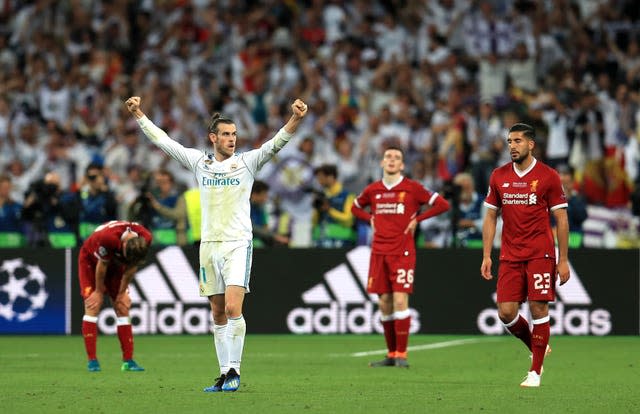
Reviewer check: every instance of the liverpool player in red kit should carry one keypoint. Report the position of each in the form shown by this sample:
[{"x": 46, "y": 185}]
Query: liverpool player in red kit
[
  {"x": 526, "y": 192},
  {"x": 394, "y": 211},
  {"x": 107, "y": 262}
]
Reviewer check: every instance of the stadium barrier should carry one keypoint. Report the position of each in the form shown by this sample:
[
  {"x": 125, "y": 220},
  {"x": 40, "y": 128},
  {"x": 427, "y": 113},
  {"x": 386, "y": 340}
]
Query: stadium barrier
[{"x": 307, "y": 291}]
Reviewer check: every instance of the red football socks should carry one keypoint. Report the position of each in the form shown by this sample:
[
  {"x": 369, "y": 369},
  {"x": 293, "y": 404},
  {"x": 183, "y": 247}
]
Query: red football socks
[
  {"x": 125, "y": 335},
  {"x": 390, "y": 337},
  {"x": 90, "y": 335},
  {"x": 521, "y": 330},
  {"x": 402, "y": 335},
  {"x": 539, "y": 342}
]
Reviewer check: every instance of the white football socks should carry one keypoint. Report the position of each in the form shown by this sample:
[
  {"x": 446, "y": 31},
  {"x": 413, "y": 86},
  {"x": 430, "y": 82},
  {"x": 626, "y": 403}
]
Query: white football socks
[
  {"x": 220, "y": 342},
  {"x": 236, "y": 331}
]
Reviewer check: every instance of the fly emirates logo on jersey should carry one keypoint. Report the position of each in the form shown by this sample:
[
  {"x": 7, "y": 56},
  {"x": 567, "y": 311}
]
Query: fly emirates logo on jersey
[
  {"x": 220, "y": 180},
  {"x": 572, "y": 313},
  {"x": 164, "y": 298},
  {"x": 340, "y": 303}
]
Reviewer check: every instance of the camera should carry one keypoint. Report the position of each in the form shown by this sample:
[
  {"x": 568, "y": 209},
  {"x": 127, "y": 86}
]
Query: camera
[{"x": 319, "y": 198}]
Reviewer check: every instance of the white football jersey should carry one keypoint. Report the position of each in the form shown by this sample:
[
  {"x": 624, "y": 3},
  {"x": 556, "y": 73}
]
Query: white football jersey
[{"x": 225, "y": 187}]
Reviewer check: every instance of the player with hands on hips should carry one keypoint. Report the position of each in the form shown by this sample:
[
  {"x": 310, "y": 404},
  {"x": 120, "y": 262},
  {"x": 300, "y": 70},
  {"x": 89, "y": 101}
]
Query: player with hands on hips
[{"x": 393, "y": 208}]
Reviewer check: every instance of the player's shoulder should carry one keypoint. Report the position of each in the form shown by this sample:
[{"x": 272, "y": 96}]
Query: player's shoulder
[
  {"x": 504, "y": 168},
  {"x": 411, "y": 182},
  {"x": 545, "y": 169}
]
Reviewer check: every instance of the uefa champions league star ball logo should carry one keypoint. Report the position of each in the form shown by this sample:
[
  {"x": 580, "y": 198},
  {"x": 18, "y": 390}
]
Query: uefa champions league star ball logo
[{"x": 22, "y": 290}]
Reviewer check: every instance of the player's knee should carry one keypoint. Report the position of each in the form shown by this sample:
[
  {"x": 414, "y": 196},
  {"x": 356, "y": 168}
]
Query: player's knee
[
  {"x": 121, "y": 309},
  {"x": 232, "y": 310},
  {"x": 507, "y": 315}
]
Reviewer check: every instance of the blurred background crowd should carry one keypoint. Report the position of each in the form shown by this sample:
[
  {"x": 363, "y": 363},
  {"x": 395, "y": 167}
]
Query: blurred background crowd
[{"x": 443, "y": 79}]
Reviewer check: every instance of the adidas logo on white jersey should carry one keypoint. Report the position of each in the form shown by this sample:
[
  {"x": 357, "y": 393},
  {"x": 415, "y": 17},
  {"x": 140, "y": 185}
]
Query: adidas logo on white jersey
[
  {"x": 340, "y": 303},
  {"x": 577, "y": 319},
  {"x": 159, "y": 295}
]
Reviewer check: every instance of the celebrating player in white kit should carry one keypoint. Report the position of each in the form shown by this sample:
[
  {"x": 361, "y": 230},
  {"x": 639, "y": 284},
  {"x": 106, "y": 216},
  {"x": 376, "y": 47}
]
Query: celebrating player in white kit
[{"x": 225, "y": 179}]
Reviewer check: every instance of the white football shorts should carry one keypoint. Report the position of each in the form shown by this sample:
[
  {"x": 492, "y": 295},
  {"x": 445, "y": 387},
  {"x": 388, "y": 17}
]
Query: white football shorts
[{"x": 222, "y": 264}]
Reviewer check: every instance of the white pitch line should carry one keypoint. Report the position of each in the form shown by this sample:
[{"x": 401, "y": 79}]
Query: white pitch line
[{"x": 435, "y": 345}]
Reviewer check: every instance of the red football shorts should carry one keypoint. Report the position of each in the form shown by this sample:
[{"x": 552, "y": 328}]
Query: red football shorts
[
  {"x": 87, "y": 277},
  {"x": 391, "y": 273},
  {"x": 531, "y": 280}
]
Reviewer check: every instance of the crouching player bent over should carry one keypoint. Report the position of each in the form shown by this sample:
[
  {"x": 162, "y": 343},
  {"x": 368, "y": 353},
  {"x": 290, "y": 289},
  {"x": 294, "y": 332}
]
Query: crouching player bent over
[{"x": 107, "y": 262}]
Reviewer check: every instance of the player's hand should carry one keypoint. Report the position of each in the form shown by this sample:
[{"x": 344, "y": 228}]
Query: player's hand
[
  {"x": 94, "y": 301},
  {"x": 485, "y": 268},
  {"x": 133, "y": 104},
  {"x": 122, "y": 304},
  {"x": 563, "y": 271},
  {"x": 299, "y": 108},
  {"x": 411, "y": 227}
]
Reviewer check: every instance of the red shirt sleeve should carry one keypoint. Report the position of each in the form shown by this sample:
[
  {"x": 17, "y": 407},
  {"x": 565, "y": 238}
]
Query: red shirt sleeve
[
  {"x": 106, "y": 246},
  {"x": 493, "y": 197},
  {"x": 556, "y": 197},
  {"x": 362, "y": 201}
]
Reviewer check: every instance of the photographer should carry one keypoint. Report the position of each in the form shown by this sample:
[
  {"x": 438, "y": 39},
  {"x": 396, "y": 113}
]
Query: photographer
[
  {"x": 333, "y": 222},
  {"x": 163, "y": 210},
  {"x": 97, "y": 203},
  {"x": 461, "y": 226},
  {"x": 50, "y": 215}
]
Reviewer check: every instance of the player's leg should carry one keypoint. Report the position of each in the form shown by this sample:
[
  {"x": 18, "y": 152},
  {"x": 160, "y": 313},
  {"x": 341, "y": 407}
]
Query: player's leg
[
  {"x": 219, "y": 340},
  {"x": 541, "y": 290},
  {"x": 236, "y": 331},
  {"x": 86, "y": 276},
  {"x": 122, "y": 306},
  {"x": 401, "y": 271},
  {"x": 212, "y": 286},
  {"x": 402, "y": 323},
  {"x": 379, "y": 284},
  {"x": 540, "y": 334},
  {"x": 511, "y": 290},
  {"x": 236, "y": 271}
]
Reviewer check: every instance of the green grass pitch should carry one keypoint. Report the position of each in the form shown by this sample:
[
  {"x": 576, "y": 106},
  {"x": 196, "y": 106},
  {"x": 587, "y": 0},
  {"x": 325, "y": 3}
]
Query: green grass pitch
[{"x": 321, "y": 374}]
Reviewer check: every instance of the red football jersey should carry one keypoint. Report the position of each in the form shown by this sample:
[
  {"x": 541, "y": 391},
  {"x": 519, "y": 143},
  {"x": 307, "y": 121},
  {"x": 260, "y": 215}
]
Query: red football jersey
[
  {"x": 105, "y": 242},
  {"x": 526, "y": 200},
  {"x": 392, "y": 209}
]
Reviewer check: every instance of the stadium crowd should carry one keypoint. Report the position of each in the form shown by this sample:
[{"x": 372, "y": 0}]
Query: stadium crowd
[{"x": 442, "y": 79}]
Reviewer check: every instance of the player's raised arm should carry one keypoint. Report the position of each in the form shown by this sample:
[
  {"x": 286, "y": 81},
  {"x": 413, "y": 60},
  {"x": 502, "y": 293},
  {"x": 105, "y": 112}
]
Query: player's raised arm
[
  {"x": 188, "y": 157},
  {"x": 299, "y": 109},
  {"x": 257, "y": 159}
]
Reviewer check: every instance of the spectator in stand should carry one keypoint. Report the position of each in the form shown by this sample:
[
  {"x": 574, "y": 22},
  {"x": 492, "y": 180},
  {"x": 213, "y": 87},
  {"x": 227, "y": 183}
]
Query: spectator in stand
[
  {"x": 50, "y": 214},
  {"x": 169, "y": 216},
  {"x": 97, "y": 202},
  {"x": 577, "y": 209},
  {"x": 263, "y": 235},
  {"x": 333, "y": 221},
  {"x": 11, "y": 229}
]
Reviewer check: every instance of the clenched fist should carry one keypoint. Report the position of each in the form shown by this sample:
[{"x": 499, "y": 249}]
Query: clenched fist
[{"x": 133, "y": 105}]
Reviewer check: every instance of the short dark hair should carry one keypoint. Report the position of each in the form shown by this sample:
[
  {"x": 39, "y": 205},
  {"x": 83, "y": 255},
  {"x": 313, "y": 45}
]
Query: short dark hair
[
  {"x": 136, "y": 250},
  {"x": 394, "y": 148},
  {"x": 327, "y": 169},
  {"x": 93, "y": 166},
  {"x": 218, "y": 119},
  {"x": 526, "y": 129},
  {"x": 259, "y": 187}
]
